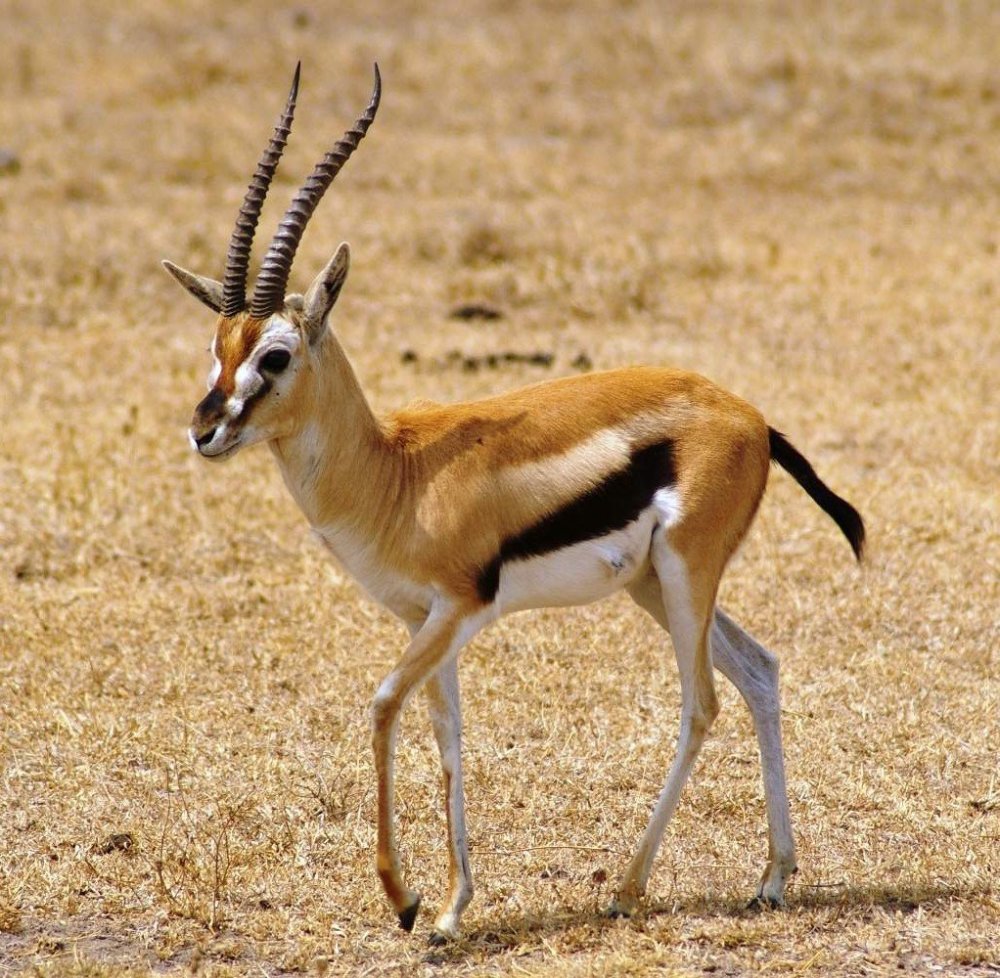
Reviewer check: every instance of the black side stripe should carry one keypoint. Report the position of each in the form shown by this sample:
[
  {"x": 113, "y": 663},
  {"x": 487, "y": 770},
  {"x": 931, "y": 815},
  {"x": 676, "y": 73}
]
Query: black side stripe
[{"x": 611, "y": 505}]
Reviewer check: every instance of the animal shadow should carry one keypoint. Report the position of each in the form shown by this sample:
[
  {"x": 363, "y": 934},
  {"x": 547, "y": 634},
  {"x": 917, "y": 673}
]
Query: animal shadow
[{"x": 510, "y": 931}]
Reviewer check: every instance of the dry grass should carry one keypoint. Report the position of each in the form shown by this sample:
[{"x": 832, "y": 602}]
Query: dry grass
[{"x": 801, "y": 200}]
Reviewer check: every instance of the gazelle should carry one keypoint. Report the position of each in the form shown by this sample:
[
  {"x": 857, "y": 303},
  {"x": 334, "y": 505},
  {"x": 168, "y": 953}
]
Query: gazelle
[{"x": 453, "y": 515}]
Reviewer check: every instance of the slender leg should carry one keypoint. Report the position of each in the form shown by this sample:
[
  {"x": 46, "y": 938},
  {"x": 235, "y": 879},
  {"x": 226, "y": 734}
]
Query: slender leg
[
  {"x": 753, "y": 670},
  {"x": 688, "y": 606},
  {"x": 438, "y": 640},
  {"x": 443, "y": 701}
]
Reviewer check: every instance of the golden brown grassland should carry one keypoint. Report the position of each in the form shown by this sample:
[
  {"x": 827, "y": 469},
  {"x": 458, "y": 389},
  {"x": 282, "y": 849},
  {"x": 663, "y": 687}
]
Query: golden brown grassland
[{"x": 798, "y": 199}]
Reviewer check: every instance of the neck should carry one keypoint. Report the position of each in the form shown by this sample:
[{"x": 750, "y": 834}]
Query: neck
[{"x": 337, "y": 452}]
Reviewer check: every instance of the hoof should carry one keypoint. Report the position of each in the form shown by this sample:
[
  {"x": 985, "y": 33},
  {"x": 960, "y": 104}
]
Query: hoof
[
  {"x": 761, "y": 902},
  {"x": 445, "y": 929},
  {"x": 408, "y": 916},
  {"x": 619, "y": 909}
]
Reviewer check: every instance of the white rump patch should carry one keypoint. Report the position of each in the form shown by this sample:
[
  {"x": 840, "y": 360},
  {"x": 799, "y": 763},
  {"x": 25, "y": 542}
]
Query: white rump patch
[{"x": 667, "y": 503}]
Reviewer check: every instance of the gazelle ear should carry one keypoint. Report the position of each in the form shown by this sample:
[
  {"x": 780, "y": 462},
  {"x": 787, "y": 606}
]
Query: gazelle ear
[
  {"x": 324, "y": 291},
  {"x": 205, "y": 290}
]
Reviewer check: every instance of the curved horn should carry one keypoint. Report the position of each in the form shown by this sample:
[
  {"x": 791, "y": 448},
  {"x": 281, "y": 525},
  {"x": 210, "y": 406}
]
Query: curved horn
[
  {"x": 238, "y": 258},
  {"x": 269, "y": 292}
]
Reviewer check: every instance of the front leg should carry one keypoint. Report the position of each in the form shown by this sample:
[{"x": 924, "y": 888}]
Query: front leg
[
  {"x": 436, "y": 642},
  {"x": 446, "y": 718}
]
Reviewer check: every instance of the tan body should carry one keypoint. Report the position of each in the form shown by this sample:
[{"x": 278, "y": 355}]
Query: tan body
[
  {"x": 640, "y": 479},
  {"x": 445, "y": 485}
]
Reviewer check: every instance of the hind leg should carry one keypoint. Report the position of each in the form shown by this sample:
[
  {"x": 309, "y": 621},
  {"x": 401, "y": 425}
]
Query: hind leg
[
  {"x": 753, "y": 670},
  {"x": 686, "y": 601},
  {"x": 443, "y": 702}
]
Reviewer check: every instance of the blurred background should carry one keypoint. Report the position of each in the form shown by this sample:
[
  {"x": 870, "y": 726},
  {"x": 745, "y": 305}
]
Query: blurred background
[{"x": 799, "y": 199}]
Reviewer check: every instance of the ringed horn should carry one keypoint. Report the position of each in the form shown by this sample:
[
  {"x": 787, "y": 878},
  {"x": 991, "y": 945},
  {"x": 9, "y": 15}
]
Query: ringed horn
[
  {"x": 269, "y": 292},
  {"x": 238, "y": 258}
]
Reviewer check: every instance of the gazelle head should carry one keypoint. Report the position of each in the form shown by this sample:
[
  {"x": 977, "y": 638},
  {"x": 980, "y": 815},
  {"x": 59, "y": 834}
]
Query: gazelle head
[{"x": 263, "y": 350}]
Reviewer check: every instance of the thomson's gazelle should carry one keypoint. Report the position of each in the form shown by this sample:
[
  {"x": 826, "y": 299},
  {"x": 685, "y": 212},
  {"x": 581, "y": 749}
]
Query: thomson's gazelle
[{"x": 453, "y": 515}]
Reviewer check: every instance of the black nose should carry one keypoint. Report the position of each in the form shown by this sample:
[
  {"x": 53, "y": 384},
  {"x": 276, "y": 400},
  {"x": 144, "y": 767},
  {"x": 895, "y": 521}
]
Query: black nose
[
  {"x": 212, "y": 403},
  {"x": 207, "y": 416}
]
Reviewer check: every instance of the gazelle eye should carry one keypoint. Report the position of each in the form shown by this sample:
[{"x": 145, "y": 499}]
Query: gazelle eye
[{"x": 275, "y": 361}]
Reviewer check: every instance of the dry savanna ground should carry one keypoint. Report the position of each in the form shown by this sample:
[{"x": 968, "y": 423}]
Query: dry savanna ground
[{"x": 798, "y": 199}]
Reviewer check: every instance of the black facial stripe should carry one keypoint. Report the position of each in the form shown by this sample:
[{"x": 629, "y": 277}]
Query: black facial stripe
[
  {"x": 261, "y": 392},
  {"x": 611, "y": 505}
]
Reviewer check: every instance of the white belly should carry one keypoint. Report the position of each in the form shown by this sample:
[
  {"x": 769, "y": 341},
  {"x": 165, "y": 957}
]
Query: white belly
[{"x": 578, "y": 574}]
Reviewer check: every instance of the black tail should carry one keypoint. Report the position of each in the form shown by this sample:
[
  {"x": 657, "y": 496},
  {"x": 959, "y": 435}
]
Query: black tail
[{"x": 840, "y": 510}]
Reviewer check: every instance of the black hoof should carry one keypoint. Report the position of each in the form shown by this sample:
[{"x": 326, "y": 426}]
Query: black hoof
[
  {"x": 437, "y": 939},
  {"x": 614, "y": 912},
  {"x": 763, "y": 903},
  {"x": 408, "y": 916}
]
